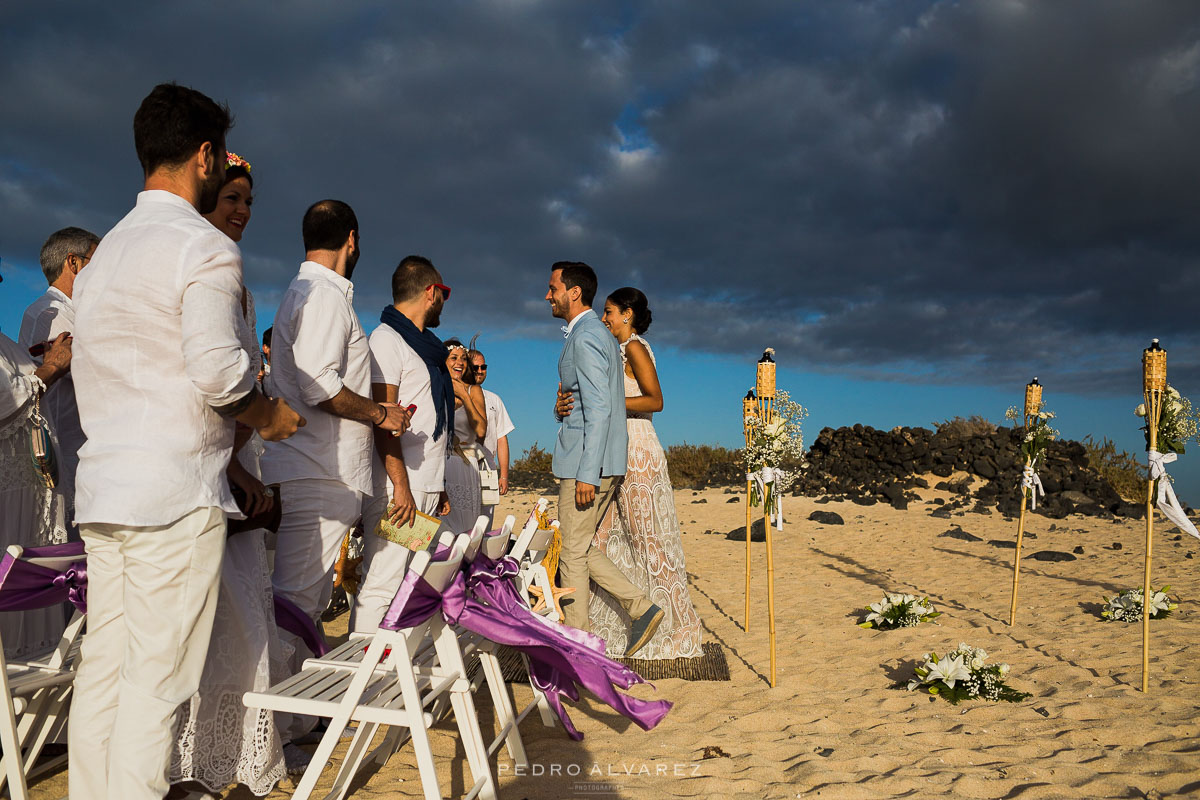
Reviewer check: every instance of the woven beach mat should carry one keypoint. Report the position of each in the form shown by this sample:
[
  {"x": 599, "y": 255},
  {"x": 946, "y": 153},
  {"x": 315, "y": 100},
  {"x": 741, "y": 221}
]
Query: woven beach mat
[{"x": 711, "y": 666}]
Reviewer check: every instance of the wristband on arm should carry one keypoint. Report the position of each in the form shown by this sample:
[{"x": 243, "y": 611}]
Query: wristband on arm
[{"x": 231, "y": 410}]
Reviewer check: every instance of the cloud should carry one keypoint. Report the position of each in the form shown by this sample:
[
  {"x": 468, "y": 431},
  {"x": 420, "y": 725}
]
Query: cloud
[{"x": 934, "y": 191}]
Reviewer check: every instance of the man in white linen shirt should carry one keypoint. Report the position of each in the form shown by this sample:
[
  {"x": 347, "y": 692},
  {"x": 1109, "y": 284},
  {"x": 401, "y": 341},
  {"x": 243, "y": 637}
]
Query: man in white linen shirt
[
  {"x": 160, "y": 376},
  {"x": 414, "y": 464},
  {"x": 320, "y": 363},
  {"x": 499, "y": 426},
  {"x": 65, "y": 253}
]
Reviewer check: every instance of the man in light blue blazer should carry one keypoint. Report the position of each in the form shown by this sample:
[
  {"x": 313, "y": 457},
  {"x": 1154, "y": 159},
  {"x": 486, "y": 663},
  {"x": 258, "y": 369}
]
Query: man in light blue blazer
[{"x": 589, "y": 454}]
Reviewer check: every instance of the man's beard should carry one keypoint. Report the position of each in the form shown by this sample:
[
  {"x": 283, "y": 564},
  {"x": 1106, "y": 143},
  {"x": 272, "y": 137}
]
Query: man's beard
[
  {"x": 210, "y": 192},
  {"x": 433, "y": 317},
  {"x": 351, "y": 262}
]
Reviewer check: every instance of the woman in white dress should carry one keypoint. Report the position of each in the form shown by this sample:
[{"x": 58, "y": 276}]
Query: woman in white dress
[
  {"x": 32, "y": 514},
  {"x": 640, "y": 533},
  {"x": 220, "y": 741},
  {"x": 470, "y": 426}
]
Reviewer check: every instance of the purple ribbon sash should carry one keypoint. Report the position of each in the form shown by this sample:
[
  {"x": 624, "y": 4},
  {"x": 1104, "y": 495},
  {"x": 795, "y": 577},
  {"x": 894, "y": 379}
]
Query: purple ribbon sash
[
  {"x": 25, "y": 586},
  {"x": 561, "y": 658},
  {"x": 289, "y": 617}
]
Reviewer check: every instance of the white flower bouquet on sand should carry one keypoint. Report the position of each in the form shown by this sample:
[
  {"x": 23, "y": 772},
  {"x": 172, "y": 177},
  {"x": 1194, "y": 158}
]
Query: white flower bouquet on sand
[
  {"x": 1127, "y": 606},
  {"x": 899, "y": 611},
  {"x": 962, "y": 674}
]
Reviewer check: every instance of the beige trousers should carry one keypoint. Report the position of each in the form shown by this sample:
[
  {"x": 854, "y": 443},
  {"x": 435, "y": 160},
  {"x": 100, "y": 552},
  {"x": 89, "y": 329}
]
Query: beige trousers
[
  {"x": 580, "y": 562},
  {"x": 152, "y": 593}
]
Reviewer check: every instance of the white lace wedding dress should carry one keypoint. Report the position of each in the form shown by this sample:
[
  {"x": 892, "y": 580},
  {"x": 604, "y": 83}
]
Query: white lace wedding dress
[
  {"x": 640, "y": 534},
  {"x": 30, "y": 514},
  {"x": 220, "y": 741},
  {"x": 462, "y": 477}
]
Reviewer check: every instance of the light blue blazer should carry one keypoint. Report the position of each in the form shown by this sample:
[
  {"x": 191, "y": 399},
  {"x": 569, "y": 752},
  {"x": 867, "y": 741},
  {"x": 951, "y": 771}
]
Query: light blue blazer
[{"x": 592, "y": 439}]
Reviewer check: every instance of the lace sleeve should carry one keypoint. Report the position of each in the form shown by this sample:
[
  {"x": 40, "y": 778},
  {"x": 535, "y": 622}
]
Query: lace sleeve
[{"x": 633, "y": 337}]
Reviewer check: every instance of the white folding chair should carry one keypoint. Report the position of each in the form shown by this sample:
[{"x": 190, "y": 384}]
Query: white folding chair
[
  {"x": 528, "y": 551},
  {"x": 389, "y": 687},
  {"x": 36, "y": 694}
]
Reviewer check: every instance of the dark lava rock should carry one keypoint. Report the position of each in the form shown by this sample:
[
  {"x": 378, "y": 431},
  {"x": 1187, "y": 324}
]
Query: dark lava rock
[
  {"x": 758, "y": 532},
  {"x": 1051, "y": 555},
  {"x": 1078, "y": 550},
  {"x": 941, "y": 513},
  {"x": 701, "y": 500},
  {"x": 734, "y": 500},
  {"x": 959, "y": 533},
  {"x": 864, "y": 501},
  {"x": 1116, "y": 546},
  {"x": 1003, "y": 543},
  {"x": 942, "y": 470},
  {"x": 825, "y": 518}
]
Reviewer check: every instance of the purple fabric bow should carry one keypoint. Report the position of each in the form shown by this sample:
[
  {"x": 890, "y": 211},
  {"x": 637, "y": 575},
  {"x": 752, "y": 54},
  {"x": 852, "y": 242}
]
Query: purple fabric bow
[
  {"x": 289, "y": 617},
  {"x": 561, "y": 659},
  {"x": 25, "y": 586}
]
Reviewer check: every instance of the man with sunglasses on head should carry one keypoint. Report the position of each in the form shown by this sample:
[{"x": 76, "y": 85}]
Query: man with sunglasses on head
[
  {"x": 320, "y": 363},
  {"x": 408, "y": 367}
]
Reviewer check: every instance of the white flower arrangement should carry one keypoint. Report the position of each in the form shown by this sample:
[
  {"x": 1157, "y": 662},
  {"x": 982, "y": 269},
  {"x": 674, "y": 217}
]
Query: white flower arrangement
[
  {"x": 962, "y": 674},
  {"x": 899, "y": 611},
  {"x": 1177, "y": 424},
  {"x": 1127, "y": 606},
  {"x": 773, "y": 443},
  {"x": 1038, "y": 434}
]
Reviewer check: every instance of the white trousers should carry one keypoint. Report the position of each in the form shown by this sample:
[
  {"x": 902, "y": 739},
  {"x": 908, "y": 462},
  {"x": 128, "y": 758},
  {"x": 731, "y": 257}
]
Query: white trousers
[
  {"x": 384, "y": 563},
  {"x": 316, "y": 516},
  {"x": 152, "y": 593}
]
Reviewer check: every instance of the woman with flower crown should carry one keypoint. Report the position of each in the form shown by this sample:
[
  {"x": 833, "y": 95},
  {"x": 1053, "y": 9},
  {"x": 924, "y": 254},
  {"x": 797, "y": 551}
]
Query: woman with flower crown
[
  {"x": 470, "y": 426},
  {"x": 640, "y": 532},
  {"x": 220, "y": 741}
]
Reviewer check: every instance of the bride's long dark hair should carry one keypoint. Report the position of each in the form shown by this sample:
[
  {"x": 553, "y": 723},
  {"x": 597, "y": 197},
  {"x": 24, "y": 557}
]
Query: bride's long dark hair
[{"x": 631, "y": 299}]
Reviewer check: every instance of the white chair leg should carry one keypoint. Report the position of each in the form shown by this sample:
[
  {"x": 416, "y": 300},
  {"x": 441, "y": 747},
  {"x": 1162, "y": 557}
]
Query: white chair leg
[
  {"x": 506, "y": 716},
  {"x": 359, "y": 747}
]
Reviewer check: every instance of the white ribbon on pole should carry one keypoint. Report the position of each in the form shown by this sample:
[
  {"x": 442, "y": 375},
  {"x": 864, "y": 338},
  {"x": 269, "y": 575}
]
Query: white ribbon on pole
[
  {"x": 762, "y": 479},
  {"x": 1031, "y": 481},
  {"x": 1168, "y": 503}
]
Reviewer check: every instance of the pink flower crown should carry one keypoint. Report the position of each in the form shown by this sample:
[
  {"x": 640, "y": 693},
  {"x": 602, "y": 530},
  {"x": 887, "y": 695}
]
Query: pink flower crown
[{"x": 232, "y": 159}]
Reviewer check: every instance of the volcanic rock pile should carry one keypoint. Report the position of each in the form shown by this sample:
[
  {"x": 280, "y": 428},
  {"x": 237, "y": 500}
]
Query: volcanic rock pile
[{"x": 869, "y": 466}]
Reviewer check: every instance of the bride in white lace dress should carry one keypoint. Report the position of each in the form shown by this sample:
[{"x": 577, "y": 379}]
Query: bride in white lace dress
[
  {"x": 220, "y": 741},
  {"x": 640, "y": 533}
]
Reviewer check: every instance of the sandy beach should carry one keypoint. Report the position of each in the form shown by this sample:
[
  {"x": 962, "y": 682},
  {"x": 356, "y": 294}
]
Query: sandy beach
[{"x": 836, "y": 725}]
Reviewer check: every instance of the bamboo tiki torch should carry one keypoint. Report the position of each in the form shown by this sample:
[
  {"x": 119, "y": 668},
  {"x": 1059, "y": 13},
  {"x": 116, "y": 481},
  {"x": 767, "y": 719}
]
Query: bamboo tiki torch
[
  {"x": 1033, "y": 404},
  {"x": 1154, "y": 386},
  {"x": 749, "y": 411},
  {"x": 766, "y": 401}
]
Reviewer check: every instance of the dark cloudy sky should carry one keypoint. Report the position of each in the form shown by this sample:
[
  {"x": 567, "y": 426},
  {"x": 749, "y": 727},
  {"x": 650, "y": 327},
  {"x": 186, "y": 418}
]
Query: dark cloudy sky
[{"x": 901, "y": 197}]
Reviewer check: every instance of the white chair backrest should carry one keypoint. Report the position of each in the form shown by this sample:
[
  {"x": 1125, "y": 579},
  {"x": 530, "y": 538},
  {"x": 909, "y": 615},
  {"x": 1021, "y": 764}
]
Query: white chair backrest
[
  {"x": 476, "y": 538},
  {"x": 529, "y": 531},
  {"x": 58, "y": 563},
  {"x": 495, "y": 546},
  {"x": 438, "y": 574}
]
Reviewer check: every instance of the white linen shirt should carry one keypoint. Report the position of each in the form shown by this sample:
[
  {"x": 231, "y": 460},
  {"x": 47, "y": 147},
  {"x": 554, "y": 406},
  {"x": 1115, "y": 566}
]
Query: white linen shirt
[
  {"x": 498, "y": 425},
  {"x": 394, "y": 362},
  {"x": 48, "y": 316},
  {"x": 317, "y": 348},
  {"x": 156, "y": 348}
]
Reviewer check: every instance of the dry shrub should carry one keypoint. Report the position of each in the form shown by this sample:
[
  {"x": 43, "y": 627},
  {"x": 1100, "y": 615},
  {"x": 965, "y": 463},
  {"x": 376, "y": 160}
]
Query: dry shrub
[
  {"x": 693, "y": 466},
  {"x": 965, "y": 428},
  {"x": 1124, "y": 472},
  {"x": 534, "y": 460}
]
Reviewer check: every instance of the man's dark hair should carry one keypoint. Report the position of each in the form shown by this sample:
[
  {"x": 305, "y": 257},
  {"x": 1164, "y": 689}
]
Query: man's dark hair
[
  {"x": 577, "y": 273},
  {"x": 327, "y": 225},
  {"x": 411, "y": 277},
  {"x": 267, "y": 335},
  {"x": 173, "y": 122}
]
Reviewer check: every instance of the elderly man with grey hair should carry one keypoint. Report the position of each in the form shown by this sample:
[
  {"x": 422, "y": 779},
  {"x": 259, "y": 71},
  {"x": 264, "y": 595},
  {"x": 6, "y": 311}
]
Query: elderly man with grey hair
[{"x": 64, "y": 254}]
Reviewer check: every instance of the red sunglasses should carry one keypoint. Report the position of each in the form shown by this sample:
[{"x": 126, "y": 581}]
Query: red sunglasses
[{"x": 445, "y": 290}]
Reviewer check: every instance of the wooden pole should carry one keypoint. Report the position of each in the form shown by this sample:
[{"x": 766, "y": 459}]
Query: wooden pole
[
  {"x": 1154, "y": 384},
  {"x": 749, "y": 409},
  {"x": 766, "y": 398},
  {"x": 1012, "y": 609},
  {"x": 1033, "y": 404}
]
